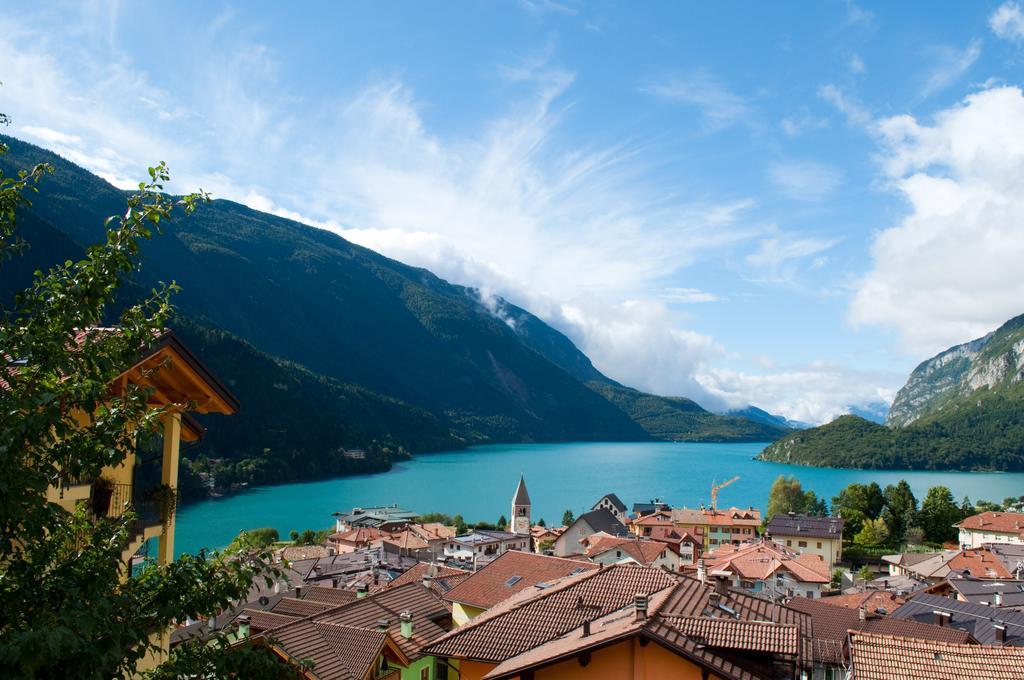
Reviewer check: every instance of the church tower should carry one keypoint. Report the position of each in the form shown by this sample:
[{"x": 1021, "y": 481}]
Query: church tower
[{"x": 520, "y": 523}]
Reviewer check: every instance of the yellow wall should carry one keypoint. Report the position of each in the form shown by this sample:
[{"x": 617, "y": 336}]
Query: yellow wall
[
  {"x": 831, "y": 550},
  {"x": 462, "y": 613},
  {"x": 622, "y": 661}
]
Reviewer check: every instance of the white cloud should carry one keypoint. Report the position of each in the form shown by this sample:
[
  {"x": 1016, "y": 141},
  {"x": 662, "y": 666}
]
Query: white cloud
[
  {"x": 854, "y": 111},
  {"x": 951, "y": 269},
  {"x": 805, "y": 120},
  {"x": 950, "y": 65},
  {"x": 1007, "y": 22},
  {"x": 720, "y": 106},
  {"x": 813, "y": 393},
  {"x": 778, "y": 258},
  {"x": 856, "y": 65},
  {"x": 805, "y": 180},
  {"x": 688, "y": 295},
  {"x": 857, "y": 15}
]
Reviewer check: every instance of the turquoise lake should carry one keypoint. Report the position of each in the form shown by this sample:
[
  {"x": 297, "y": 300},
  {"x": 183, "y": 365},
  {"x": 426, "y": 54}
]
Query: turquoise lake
[{"x": 479, "y": 483}]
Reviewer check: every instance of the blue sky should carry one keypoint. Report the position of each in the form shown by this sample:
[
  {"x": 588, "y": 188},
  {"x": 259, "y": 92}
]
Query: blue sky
[{"x": 785, "y": 204}]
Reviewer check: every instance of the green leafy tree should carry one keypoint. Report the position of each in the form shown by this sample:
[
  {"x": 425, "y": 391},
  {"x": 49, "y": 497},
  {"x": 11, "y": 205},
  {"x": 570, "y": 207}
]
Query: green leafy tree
[
  {"x": 542, "y": 523},
  {"x": 460, "y": 525},
  {"x": 939, "y": 512},
  {"x": 856, "y": 503},
  {"x": 900, "y": 513},
  {"x": 873, "y": 532},
  {"x": 866, "y": 573},
  {"x": 294, "y": 536},
  {"x": 814, "y": 506},
  {"x": 567, "y": 518},
  {"x": 67, "y": 607},
  {"x": 837, "y": 578},
  {"x": 786, "y": 495},
  {"x": 263, "y": 537},
  {"x": 502, "y": 522}
]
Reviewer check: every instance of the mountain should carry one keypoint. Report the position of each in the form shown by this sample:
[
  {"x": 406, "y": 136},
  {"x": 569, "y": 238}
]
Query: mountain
[
  {"x": 759, "y": 415},
  {"x": 378, "y": 348},
  {"x": 960, "y": 410}
]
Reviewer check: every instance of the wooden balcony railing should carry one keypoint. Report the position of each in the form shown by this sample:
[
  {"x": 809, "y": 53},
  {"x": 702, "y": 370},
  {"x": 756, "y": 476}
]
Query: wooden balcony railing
[{"x": 392, "y": 674}]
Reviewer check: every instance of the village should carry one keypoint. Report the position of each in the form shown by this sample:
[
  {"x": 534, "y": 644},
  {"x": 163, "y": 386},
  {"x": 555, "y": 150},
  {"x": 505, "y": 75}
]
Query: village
[{"x": 721, "y": 592}]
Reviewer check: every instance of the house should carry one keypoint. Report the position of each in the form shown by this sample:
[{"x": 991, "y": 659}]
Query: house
[
  {"x": 439, "y": 578},
  {"x": 375, "y": 636},
  {"x": 146, "y": 481},
  {"x": 612, "y": 504},
  {"x": 991, "y": 592},
  {"x": 872, "y": 601},
  {"x": 988, "y": 625},
  {"x": 934, "y": 567},
  {"x": 832, "y": 626},
  {"x": 1011, "y": 555},
  {"x": 588, "y": 524},
  {"x": 644, "y": 526},
  {"x": 354, "y": 539},
  {"x": 819, "y": 535},
  {"x": 435, "y": 534},
  {"x": 656, "y": 505},
  {"x": 768, "y": 567},
  {"x": 506, "y": 576},
  {"x": 383, "y": 517},
  {"x": 483, "y": 545},
  {"x": 991, "y": 527},
  {"x": 612, "y": 550},
  {"x": 885, "y": 657},
  {"x": 718, "y": 527},
  {"x": 628, "y": 622},
  {"x": 544, "y": 537}
]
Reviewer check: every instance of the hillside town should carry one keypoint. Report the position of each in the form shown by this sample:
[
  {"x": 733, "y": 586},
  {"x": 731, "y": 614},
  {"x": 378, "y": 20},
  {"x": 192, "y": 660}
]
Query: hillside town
[{"x": 720, "y": 592}]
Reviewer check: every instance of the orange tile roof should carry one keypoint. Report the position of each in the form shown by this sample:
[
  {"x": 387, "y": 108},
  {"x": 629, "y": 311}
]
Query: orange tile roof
[
  {"x": 294, "y": 607},
  {"x": 358, "y": 535},
  {"x": 732, "y": 517},
  {"x": 872, "y": 600},
  {"x": 642, "y": 552},
  {"x": 510, "y": 573},
  {"x": 761, "y": 559},
  {"x": 754, "y": 636},
  {"x": 338, "y": 652},
  {"x": 1003, "y": 522},
  {"x": 883, "y": 657},
  {"x": 332, "y": 596},
  {"x": 443, "y": 579},
  {"x": 981, "y": 563}
]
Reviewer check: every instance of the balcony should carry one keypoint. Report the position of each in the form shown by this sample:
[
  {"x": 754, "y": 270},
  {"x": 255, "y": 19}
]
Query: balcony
[{"x": 388, "y": 674}]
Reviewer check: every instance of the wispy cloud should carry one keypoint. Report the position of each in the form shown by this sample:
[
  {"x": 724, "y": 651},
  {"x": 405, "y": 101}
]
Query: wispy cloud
[
  {"x": 1007, "y": 22},
  {"x": 950, "y": 64},
  {"x": 720, "y": 106},
  {"x": 855, "y": 112},
  {"x": 687, "y": 295},
  {"x": 778, "y": 258},
  {"x": 857, "y": 65},
  {"x": 805, "y": 180}
]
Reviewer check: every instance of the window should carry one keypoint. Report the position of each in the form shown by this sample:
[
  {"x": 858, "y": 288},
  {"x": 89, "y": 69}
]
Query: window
[
  {"x": 819, "y": 545},
  {"x": 789, "y": 543},
  {"x": 424, "y": 674},
  {"x": 802, "y": 544}
]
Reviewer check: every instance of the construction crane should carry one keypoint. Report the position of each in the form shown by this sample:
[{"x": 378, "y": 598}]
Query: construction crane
[{"x": 715, "y": 488}]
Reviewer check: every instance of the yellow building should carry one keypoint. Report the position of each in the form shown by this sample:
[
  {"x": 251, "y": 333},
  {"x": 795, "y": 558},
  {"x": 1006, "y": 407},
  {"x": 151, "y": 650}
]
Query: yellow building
[
  {"x": 822, "y": 536},
  {"x": 146, "y": 481}
]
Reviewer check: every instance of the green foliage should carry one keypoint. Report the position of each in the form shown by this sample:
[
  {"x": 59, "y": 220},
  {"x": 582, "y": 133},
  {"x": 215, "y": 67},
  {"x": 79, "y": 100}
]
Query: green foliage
[
  {"x": 837, "y": 578},
  {"x": 857, "y": 503},
  {"x": 787, "y": 495},
  {"x": 260, "y": 538},
  {"x": 460, "y": 525},
  {"x": 541, "y": 522},
  {"x": 680, "y": 419},
  {"x": 309, "y": 536},
  {"x": 502, "y": 523},
  {"x": 66, "y": 608},
  {"x": 866, "y": 573},
  {"x": 900, "y": 513},
  {"x": 873, "y": 532},
  {"x": 546, "y": 544},
  {"x": 939, "y": 512},
  {"x": 436, "y": 517},
  {"x": 567, "y": 518},
  {"x": 814, "y": 506}
]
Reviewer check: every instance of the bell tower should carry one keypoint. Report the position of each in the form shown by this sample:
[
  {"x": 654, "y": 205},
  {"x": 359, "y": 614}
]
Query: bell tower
[{"x": 520, "y": 523}]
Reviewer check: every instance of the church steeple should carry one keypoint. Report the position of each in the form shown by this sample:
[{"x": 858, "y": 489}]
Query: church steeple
[{"x": 521, "y": 523}]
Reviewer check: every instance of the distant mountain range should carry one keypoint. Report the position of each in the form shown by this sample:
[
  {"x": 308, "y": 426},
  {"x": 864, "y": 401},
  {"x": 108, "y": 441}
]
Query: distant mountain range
[
  {"x": 963, "y": 409},
  {"x": 331, "y": 346}
]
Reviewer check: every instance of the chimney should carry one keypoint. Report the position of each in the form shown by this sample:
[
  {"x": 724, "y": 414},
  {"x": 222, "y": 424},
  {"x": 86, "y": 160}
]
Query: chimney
[
  {"x": 640, "y": 604},
  {"x": 702, "y": 572},
  {"x": 714, "y": 599},
  {"x": 382, "y": 624},
  {"x": 862, "y": 613},
  {"x": 361, "y": 590},
  {"x": 586, "y": 628},
  {"x": 998, "y": 602},
  {"x": 1000, "y": 630},
  {"x": 722, "y": 585},
  {"x": 298, "y": 592},
  {"x": 334, "y": 582},
  {"x": 942, "y": 618},
  {"x": 428, "y": 580},
  {"x": 243, "y": 626},
  {"x": 331, "y": 551},
  {"x": 405, "y": 618}
]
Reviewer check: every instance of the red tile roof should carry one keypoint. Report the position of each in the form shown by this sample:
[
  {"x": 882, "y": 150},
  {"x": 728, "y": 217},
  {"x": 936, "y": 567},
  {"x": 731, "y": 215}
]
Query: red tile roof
[
  {"x": 443, "y": 579},
  {"x": 872, "y": 600},
  {"x": 511, "y": 573},
  {"x": 882, "y": 657},
  {"x": 331, "y": 596},
  {"x": 754, "y": 636},
  {"x": 294, "y": 607},
  {"x": 1002, "y": 522},
  {"x": 338, "y": 652},
  {"x": 761, "y": 559},
  {"x": 642, "y": 552}
]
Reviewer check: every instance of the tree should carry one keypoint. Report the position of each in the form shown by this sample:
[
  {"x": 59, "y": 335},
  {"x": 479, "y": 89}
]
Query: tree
[
  {"x": 67, "y": 607},
  {"x": 307, "y": 537},
  {"x": 939, "y": 512},
  {"x": 915, "y": 536},
  {"x": 837, "y": 578},
  {"x": 866, "y": 573},
  {"x": 542, "y": 523},
  {"x": 873, "y": 532},
  {"x": 856, "y": 503},
  {"x": 567, "y": 518},
  {"x": 460, "y": 525},
  {"x": 502, "y": 523},
  {"x": 786, "y": 495},
  {"x": 814, "y": 506},
  {"x": 263, "y": 537},
  {"x": 546, "y": 545},
  {"x": 294, "y": 536},
  {"x": 900, "y": 513}
]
